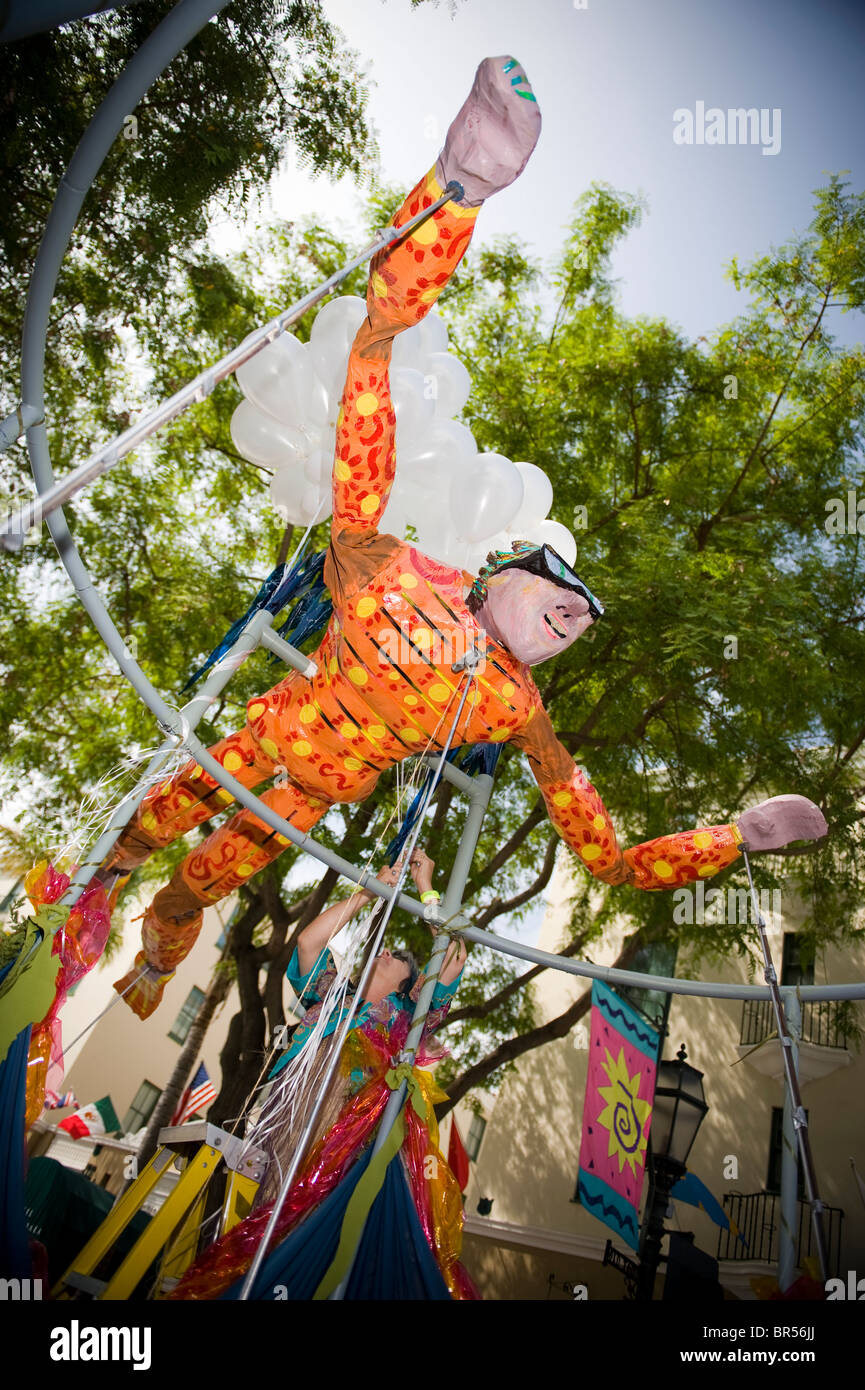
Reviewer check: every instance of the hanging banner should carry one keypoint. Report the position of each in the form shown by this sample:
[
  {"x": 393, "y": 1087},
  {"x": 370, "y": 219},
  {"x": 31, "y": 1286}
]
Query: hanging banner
[{"x": 620, "y": 1086}]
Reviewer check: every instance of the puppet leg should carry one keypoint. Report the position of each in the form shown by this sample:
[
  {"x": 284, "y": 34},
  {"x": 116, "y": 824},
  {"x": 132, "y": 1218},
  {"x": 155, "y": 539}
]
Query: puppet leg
[
  {"x": 486, "y": 148},
  {"x": 223, "y": 863},
  {"x": 187, "y": 800}
]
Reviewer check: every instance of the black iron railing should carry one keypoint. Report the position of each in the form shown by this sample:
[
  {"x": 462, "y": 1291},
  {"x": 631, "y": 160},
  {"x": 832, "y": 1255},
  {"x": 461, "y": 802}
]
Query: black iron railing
[
  {"x": 757, "y": 1216},
  {"x": 824, "y": 1022}
]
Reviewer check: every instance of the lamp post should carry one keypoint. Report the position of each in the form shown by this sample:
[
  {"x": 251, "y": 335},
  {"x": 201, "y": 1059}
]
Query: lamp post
[{"x": 677, "y": 1114}]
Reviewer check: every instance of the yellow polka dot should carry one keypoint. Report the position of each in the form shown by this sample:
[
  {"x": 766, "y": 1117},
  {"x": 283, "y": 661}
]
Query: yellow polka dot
[
  {"x": 269, "y": 747},
  {"x": 408, "y": 581},
  {"x": 412, "y": 735},
  {"x": 224, "y": 795},
  {"x": 531, "y": 714},
  {"x": 410, "y": 700},
  {"x": 307, "y": 714},
  {"x": 499, "y": 735},
  {"x": 599, "y": 823},
  {"x": 422, "y": 637},
  {"x": 301, "y": 748},
  {"x": 376, "y": 731},
  {"x": 184, "y": 801},
  {"x": 333, "y": 666},
  {"x": 254, "y": 711},
  {"x": 196, "y": 772},
  {"x": 431, "y": 295},
  {"x": 438, "y": 692},
  {"x": 591, "y": 852},
  {"x": 165, "y": 788},
  {"x": 562, "y": 799},
  {"x": 342, "y": 471},
  {"x": 662, "y": 868},
  {"x": 358, "y": 675},
  {"x": 349, "y": 730},
  {"x": 339, "y": 418},
  {"x": 365, "y": 607},
  {"x": 508, "y": 690},
  {"x": 244, "y": 870},
  {"x": 426, "y": 232},
  {"x": 379, "y": 288},
  {"x": 353, "y": 764},
  {"x": 370, "y": 504},
  {"x": 474, "y": 698},
  {"x": 393, "y": 675},
  {"x": 366, "y": 403},
  {"x": 703, "y": 840},
  {"x": 281, "y": 840},
  {"x": 708, "y": 870},
  {"x": 148, "y": 820},
  {"x": 232, "y": 761}
]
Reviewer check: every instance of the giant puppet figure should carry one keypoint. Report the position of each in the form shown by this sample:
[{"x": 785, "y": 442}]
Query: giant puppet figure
[{"x": 365, "y": 710}]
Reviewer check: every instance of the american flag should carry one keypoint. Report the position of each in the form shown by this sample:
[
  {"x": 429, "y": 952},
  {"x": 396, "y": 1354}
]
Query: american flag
[
  {"x": 197, "y": 1096},
  {"x": 53, "y": 1101}
]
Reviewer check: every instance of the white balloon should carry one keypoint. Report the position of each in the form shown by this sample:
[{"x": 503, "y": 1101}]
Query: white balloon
[
  {"x": 263, "y": 439},
  {"x": 407, "y": 351},
  {"x": 286, "y": 492},
  {"x": 278, "y": 379},
  {"x": 330, "y": 340},
  {"x": 447, "y": 445},
  {"x": 413, "y": 346},
  {"x": 559, "y": 537},
  {"x": 451, "y": 384},
  {"x": 413, "y": 405},
  {"x": 538, "y": 497},
  {"x": 486, "y": 499}
]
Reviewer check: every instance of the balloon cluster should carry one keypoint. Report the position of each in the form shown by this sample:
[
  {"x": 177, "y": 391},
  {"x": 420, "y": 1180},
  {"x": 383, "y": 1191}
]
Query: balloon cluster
[{"x": 453, "y": 501}]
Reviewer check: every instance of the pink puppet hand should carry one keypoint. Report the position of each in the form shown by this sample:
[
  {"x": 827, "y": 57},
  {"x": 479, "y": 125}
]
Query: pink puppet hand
[
  {"x": 490, "y": 140},
  {"x": 780, "y": 820}
]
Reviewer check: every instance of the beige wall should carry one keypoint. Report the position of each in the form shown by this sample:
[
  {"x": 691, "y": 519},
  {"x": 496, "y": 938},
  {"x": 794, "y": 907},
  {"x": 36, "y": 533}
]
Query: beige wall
[
  {"x": 529, "y": 1155},
  {"x": 122, "y": 1050}
]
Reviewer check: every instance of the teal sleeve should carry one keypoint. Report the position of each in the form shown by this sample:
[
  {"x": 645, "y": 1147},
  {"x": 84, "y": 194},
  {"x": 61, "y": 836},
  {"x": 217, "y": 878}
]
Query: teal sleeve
[
  {"x": 443, "y": 994},
  {"x": 304, "y": 985}
]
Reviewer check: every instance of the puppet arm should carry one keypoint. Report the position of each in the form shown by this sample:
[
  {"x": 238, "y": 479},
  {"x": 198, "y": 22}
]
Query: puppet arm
[{"x": 580, "y": 817}]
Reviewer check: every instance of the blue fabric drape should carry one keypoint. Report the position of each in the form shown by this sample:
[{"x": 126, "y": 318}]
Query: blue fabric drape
[
  {"x": 394, "y": 1261},
  {"x": 14, "y": 1247}
]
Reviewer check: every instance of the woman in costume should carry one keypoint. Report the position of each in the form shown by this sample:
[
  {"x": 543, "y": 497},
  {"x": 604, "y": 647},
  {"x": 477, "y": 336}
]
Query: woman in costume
[
  {"x": 413, "y": 1232},
  {"x": 363, "y": 711}
]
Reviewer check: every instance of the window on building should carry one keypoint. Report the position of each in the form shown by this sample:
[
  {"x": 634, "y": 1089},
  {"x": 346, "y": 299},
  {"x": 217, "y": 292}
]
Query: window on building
[
  {"x": 773, "y": 1177},
  {"x": 657, "y": 958},
  {"x": 474, "y": 1137},
  {"x": 141, "y": 1108},
  {"x": 179, "y": 1030},
  {"x": 794, "y": 969}
]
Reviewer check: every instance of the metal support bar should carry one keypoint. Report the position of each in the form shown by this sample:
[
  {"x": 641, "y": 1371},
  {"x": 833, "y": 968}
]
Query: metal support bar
[
  {"x": 14, "y": 426},
  {"x": 799, "y": 1119},
  {"x": 789, "y": 1155}
]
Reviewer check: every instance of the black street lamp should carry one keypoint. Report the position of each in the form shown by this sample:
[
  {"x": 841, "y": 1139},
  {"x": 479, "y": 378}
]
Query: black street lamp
[{"x": 677, "y": 1114}]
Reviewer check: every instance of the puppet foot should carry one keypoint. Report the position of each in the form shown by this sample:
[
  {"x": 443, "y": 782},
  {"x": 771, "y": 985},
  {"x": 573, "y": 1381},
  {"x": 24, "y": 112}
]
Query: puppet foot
[
  {"x": 490, "y": 140},
  {"x": 782, "y": 819},
  {"x": 141, "y": 987}
]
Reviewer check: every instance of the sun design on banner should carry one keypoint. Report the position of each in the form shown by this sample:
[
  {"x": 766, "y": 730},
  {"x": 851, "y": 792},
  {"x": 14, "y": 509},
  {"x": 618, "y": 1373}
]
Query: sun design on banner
[{"x": 625, "y": 1114}]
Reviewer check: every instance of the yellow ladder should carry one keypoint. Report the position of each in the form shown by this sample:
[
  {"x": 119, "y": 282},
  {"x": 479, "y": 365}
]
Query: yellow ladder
[{"x": 173, "y": 1229}]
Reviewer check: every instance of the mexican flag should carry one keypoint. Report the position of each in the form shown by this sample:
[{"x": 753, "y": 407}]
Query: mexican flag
[{"x": 97, "y": 1118}]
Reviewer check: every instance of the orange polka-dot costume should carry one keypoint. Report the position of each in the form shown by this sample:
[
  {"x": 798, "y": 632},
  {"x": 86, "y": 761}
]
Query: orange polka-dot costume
[{"x": 385, "y": 686}]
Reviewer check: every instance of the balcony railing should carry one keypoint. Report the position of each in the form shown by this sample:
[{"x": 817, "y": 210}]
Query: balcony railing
[
  {"x": 758, "y": 1218},
  {"x": 823, "y": 1022}
]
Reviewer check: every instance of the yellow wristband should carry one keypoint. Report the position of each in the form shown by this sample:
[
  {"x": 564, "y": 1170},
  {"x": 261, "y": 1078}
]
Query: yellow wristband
[{"x": 430, "y": 896}]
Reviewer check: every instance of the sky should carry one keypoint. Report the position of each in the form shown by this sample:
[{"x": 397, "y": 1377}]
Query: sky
[{"x": 609, "y": 74}]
